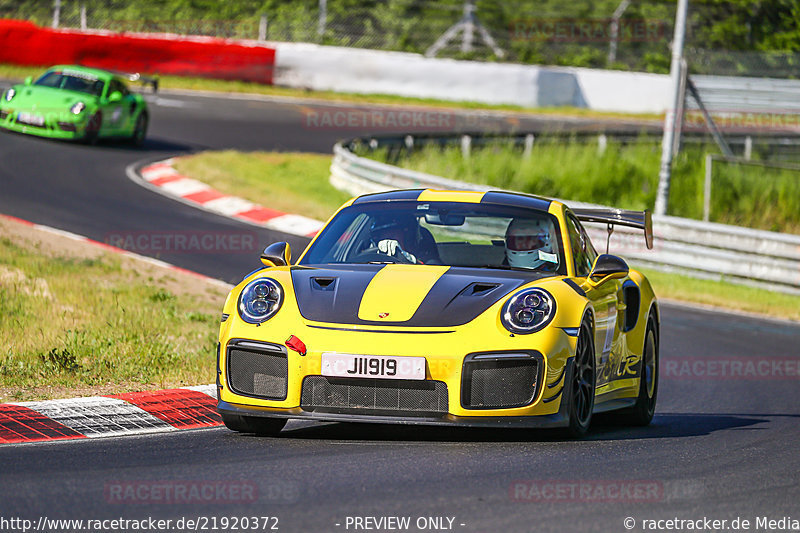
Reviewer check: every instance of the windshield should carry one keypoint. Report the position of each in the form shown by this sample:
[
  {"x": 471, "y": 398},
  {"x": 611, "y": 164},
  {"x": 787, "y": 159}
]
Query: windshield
[
  {"x": 441, "y": 233},
  {"x": 71, "y": 81}
]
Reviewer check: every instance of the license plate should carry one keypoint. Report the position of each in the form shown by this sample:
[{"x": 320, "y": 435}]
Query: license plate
[
  {"x": 347, "y": 365},
  {"x": 28, "y": 118}
]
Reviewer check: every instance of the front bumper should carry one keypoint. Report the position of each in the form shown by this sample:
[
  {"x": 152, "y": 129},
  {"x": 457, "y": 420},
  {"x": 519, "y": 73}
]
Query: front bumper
[
  {"x": 55, "y": 125},
  {"x": 556, "y": 420},
  {"x": 264, "y": 391}
]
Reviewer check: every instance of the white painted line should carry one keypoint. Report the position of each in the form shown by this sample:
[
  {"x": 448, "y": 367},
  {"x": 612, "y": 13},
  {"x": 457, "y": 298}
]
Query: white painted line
[
  {"x": 229, "y": 205},
  {"x": 184, "y": 187},
  {"x": 297, "y": 224},
  {"x": 98, "y": 416},
  {"x": 210, "y": 390},
  {"x": 150, "y": 173},
  {"x": 61, "y": 232},
  {"x": 169, "y": 102}
]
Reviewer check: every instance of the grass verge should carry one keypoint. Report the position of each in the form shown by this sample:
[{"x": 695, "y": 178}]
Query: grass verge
[
  {"x": 78, "y": 320},
  {"x": 268, "y": 178},
  {"x": 294, "y": 183},
  {"x": 15, "y": 72}
]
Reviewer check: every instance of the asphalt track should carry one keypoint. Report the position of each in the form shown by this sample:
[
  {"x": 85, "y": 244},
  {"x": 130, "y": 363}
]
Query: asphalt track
[{"x": 723, "y": 444}]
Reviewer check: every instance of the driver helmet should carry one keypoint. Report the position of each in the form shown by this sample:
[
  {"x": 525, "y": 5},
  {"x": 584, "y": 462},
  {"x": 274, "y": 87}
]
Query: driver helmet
[{"x": 527, "y": 239}]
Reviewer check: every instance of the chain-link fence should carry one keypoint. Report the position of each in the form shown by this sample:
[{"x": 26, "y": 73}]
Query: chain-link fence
[{"x": 722, "y": 37}]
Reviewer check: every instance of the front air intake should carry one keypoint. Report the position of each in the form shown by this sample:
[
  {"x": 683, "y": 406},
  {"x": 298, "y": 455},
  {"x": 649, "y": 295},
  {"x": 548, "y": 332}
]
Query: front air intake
[
  {"x": 374, "y": 396},
  {"x": 257, "y": 369},
  {"x": 500, "y": 380}
]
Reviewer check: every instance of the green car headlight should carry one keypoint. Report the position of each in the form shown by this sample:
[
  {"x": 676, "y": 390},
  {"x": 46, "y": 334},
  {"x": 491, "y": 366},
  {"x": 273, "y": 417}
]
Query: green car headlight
[
  {"x": 260, "y": 300},
  {"x": 10, "y": 94},
  {"x": 528, "y": 311},
  {"x": 77, "y": 108}
]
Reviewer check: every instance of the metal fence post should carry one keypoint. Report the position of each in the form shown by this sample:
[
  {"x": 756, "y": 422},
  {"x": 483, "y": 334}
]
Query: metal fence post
[
  {"x": 662, "y": 197},
  {"x": 707, "y": 188},
  {"x": 323, "y": 18},
  {"x": 602, "y": 144},
  {"x": 83, "y": 16},
  {"x": 466, "y": 146},
  {"x": 262, "y": 28},
  {"x": 528, "y": 150},
  {"x": 56, "y": 13},
  {"x": 614, "y": 39}
]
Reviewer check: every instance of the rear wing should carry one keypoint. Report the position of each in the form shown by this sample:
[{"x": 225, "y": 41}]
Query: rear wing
[
  {"x": 152, "y": 81},
  {"x": 634, "y": 219}
]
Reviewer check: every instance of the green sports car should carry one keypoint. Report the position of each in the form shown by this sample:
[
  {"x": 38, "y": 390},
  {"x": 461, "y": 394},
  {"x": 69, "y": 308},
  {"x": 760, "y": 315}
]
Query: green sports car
[{"x": 80, "y": 103}]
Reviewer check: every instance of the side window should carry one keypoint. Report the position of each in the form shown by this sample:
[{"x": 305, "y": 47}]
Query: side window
[
  {"x": 582, "y": 249},
  {"x": 117, "y": 86},
  {"x": 591, "y": 253}
]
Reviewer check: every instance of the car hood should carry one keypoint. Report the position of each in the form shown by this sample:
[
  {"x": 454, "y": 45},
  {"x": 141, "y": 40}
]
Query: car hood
[
  {"x": 33, "y": 97},
  {"x": 402, "y": 295}
]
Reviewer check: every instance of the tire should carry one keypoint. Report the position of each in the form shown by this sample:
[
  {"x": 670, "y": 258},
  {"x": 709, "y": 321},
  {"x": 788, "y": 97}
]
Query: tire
[
  {"x": 92, "y": 132},
  {"x": 266, "y": 427},
  {"x": 582, "y": 386},
  {"x": 140, "y": 130},
  {"x": 641, "y": 414}
]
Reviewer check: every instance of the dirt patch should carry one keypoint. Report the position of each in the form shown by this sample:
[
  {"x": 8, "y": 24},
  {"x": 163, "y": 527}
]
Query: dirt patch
[{"x": 50, "y": 244}]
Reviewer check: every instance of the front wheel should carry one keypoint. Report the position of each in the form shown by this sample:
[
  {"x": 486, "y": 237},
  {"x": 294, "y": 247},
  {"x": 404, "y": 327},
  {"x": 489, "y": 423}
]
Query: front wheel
[
  {"x": 582, "y": 386},
  {"x": 140, "y": 130},
  {"x": 266, "y": 427},
  {"x": 92, "y": 132}
]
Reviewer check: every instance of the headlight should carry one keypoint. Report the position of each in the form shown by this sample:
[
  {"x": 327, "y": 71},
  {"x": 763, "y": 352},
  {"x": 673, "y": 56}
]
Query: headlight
[
  {"x": 260, "y": 299},
  {"x": 77, "y": 108},
  {"x": 528, "y": 311},
  {"x": 10, "y": 94}
]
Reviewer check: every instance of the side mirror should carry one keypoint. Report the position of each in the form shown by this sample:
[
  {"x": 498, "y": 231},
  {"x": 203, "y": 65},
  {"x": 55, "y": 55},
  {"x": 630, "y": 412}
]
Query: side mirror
[
  {"x": 607, "y": 267},
  {"x": 277, "y": 254},
  {"x": 28, "y": 80},
  {"x": 116, "y": 96}
]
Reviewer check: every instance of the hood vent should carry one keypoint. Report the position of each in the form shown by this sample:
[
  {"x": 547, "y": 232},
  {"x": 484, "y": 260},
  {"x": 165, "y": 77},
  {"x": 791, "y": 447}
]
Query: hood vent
[
  {"x": 323, "y": 284},
  {"x": 479, "y": 289}
]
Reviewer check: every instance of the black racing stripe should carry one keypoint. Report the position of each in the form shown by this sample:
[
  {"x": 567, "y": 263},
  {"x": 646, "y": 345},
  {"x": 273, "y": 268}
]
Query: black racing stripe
[
  {"x": 333, "y": 294},
  {"x": 390, "y": 196},
  {"x": 517, "y": 200},
  {"x": 461, "y": 294}
]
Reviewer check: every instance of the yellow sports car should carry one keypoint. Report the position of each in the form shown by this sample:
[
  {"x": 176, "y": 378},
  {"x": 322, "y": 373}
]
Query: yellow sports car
[{"x": 447, "y": 308}]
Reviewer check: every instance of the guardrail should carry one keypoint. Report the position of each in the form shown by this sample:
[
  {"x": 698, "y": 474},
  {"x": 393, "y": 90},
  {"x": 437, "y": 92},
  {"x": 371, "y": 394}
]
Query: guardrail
[{"x": 702, "y": 249}]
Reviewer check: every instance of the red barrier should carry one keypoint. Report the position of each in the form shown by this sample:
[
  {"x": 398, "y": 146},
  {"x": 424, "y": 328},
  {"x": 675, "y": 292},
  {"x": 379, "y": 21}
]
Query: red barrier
[{"x": 23, "y": 43}]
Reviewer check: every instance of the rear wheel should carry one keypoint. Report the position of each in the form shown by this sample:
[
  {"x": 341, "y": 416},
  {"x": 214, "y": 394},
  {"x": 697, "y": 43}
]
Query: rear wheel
[
  {"x": 582, "y": 387},
  {"x": 641, "y": 414},
  {"x": 267, "y": 427},
  {"x": 140, "y": 130}
]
